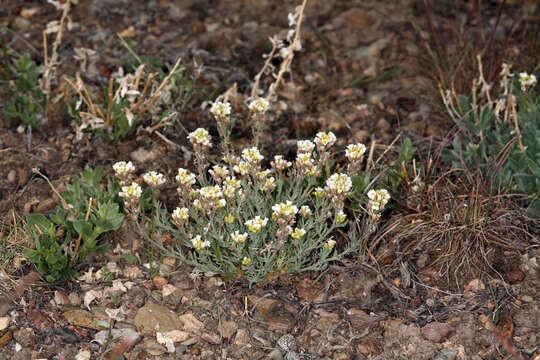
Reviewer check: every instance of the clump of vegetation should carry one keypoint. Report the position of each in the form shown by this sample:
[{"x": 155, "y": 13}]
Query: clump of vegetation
[
  {"x": 26, "y": 103},
  {"x": 87, "y": 211},
  {"x": 239, "y": 220},
  {"x": 499, "y": 134}
]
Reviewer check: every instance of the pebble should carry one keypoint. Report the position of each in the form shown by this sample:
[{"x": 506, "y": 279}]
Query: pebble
[
  {"x": 25, "y": 337},
  {"x": 384, "y": 125},
  {"x": 12, "y": 176}
]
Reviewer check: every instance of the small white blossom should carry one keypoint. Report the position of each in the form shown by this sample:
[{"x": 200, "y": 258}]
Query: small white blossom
[
  {"x": 200, "y": 138},
  {"x": 242, "y": 168},
  {"x": 324, "y": 140},
  {"x": 123, "y": 169},
  {"x": 378, "y": 199},
  {"x": 255, "y": 225},
  {"x": 298, "y": 233},
  {"x": 260, "y": 105},
  {"x": 305, "y": 146},
  {"x": 305, "y": 211},
  {"x": 221, "y": 109},
  {"x": 355, "y": 152},
  {"x": 131, "y": 193},
  {"x": 239, "y": 238},
  {"x": 185, "y": 178},
  {"x": 219, "y": 172},
  {"x": 154, "y": 179},
  {"x": 269, "y": 184},
  {"x": 199, "y": 244},
  {"x": 329, "y": 244},
  {"x": 338, "y": 184},
  {"x": 526, "y": 80},
  {"x": 280, "y": 163},
  {"x": 252, "y": 156},
  {"x": 180, "y": 215}
]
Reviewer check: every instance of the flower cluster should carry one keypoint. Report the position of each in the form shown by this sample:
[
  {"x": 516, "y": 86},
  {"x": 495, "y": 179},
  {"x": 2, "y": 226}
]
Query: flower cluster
[
  {"x": 211, "y": 197},
  {"x": 355, "y": 152},
  {"x": 280, "y": 163},
  {"x": 180, "y": 216},
  {"x": 232, "y": 188},
  {"x": 305, "y": 146},
  {"x": 338, "y": 185},
  {"x": 378, "y": 199},
  {"x": 260, "y": 105},
  {"x": 252, "y": 156},
  {"x": 199, "y": 244},
  {"x": 219, "y": 173},
  {"x": 269, "y": 184},
  {"x": 154, "y": 179},
  {"x": 255, "y": 225},
  {"x": 239, "y": 238},
  {"x": 123, "y": 170},
  {"x": 324, "y": 141},
  {"x": 200, "y": 139},
  {"x": 221, "y": 110},
  {"x": 298, "y": 233},
  {"x": 131, "y": 194},
  {"x": 305, "y": 211},
  {"x": 284, "y": 212},
  {"x": 526, "y": 80}
]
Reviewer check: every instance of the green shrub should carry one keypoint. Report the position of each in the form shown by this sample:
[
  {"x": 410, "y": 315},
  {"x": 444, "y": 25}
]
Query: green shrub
[
  {"x": 26, "y": 102},
  {"x": 500, "y": 135},
  {"x": 50, "y": 253}
]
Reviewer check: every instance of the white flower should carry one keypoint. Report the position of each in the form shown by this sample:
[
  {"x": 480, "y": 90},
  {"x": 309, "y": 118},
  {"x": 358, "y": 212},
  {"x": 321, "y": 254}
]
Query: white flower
[
  {"x": 131, "y": 193},
  {"x": 286, "y": 210},
  {"x": 338, "y": 184},
  {"x": 219, "y": 172},
  {"x": 305, "y": 211},
  {"x": 260, "y": 105},
  {"x": 180, "y": 215},
  {"x": 378, "y": 199},
  {"x": 154, "y": 179},
  {"x": 304, "y": 161},
  {"x": 269, "y": 184},
  {"x": 298, "y": 233},
  {"x": 252, "y": 156},
  {"x": 185, "y": 178},
  {"x": 324, "y": 140},
  {"x": 305, "y": 146},
  {"x": 242, "y": 168},
  {"x": 355, "y": 152},
  {"x": 319, "y": 192},
  {"x": 329, "y": 244},
  {"x": 340, "y": 216},
  {"x": 255, "y": 225},
  {"x": 239, "y": 238},
  {"x": 526, "y": 80},
  {"x": 200, "y": 138},
  {"x": 211, "y": 193},
  {"x": 122, "y": 169},
  {"x": 221, "y": 109},
  {"x": 279, "y": 163},
  {"x": 199, "y": 244}
]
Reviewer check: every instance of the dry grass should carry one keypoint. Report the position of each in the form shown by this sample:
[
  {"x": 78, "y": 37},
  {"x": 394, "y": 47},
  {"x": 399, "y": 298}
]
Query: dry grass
[{"x": 463, "y": 226}]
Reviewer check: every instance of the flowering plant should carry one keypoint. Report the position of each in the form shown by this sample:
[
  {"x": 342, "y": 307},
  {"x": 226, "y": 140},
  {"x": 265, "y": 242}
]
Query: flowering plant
[{"x": 241, "y": 220}]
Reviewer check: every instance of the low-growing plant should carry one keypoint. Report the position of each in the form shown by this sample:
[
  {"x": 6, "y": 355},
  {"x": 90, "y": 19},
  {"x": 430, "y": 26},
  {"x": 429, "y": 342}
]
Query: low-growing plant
[
  {"x": 500, "y": 134},
  {"x": 241, "y": 221},
  {"x": 26, "y": 102},
  {"x": 86, "y": 212},
  {"x": 128, "y": 101}
]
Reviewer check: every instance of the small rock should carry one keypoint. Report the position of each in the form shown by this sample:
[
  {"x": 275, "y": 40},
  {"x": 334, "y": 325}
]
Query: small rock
[
  {"x": 515, "y": 276},
  {"x": 74, "y": 298},
  {"x": 21, "y": 23},
  {"x": 384, "y": 125},
  {"x": 45, "y": 205},
  {"x": 242, "y": 338},
  {"x": 211, "y": 337},
  {"x": 362, "y": 136},
  {"x": 527, "y": 298},
  {"x": 25, "y": 337},
  {"x": 436, "y": 331},
  {"x": 141, "y": 155},
  {"x": 12, "y": 176},
  {"x": 190, "y": 322},
  {"x": 79, "y": 317},
  {"x": 275, "y": 355},
  {"x": 159, "y": 282},
  {"x": 264, "y": 305},
  {"x": 228, "y": 329},
  {"x": 287, "y": 343},
  {"x": 154, "y": 317},
  {"x": 447, "y": 354},
  {"x": 4, "y": 322}
]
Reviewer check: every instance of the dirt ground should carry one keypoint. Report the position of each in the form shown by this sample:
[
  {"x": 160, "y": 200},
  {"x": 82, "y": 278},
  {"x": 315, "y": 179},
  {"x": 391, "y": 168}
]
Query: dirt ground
[{"x": 354, "y": 53}]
